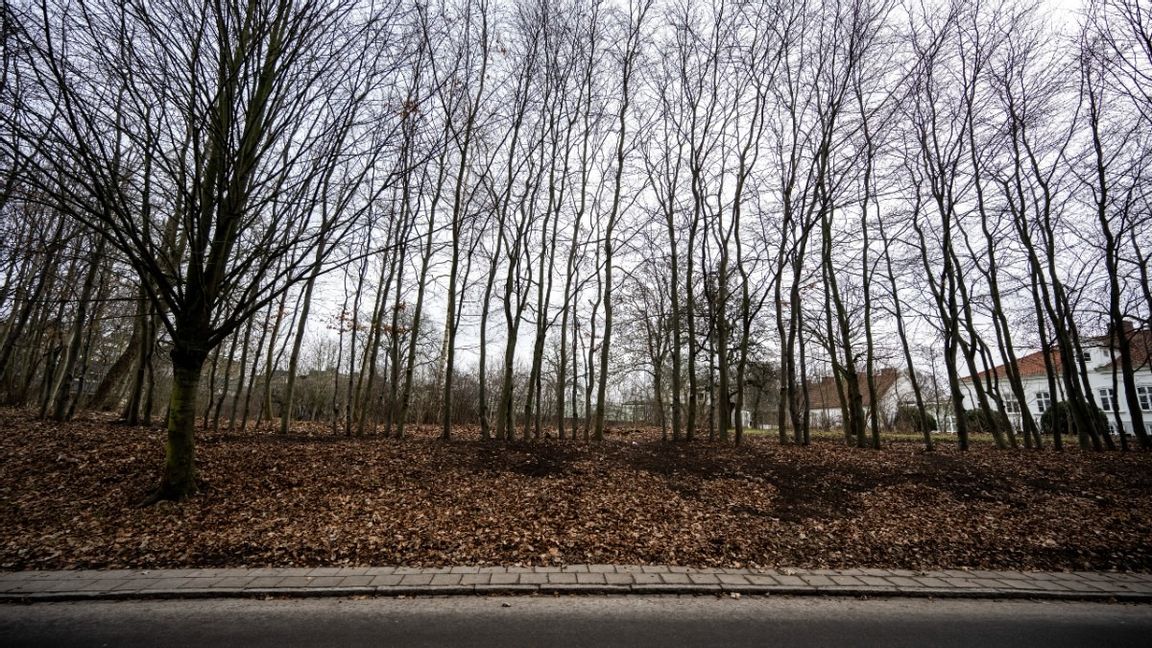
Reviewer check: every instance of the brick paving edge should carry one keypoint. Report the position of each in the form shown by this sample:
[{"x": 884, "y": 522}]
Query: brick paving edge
[{"x": 395, "y": 591}]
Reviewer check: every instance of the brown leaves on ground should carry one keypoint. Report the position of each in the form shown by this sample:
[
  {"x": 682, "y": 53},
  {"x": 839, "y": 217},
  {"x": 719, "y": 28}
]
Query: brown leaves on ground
[{"x": 67, "y": 493}]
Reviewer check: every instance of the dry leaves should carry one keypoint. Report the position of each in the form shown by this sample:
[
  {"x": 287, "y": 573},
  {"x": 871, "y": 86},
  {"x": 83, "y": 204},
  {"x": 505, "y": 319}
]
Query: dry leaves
[{"x": 67, "y": 493}]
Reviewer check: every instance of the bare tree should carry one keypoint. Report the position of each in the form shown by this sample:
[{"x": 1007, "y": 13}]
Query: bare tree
[
  {"x": 630, "y": 52},
  {"x": 243, "y": 124}
]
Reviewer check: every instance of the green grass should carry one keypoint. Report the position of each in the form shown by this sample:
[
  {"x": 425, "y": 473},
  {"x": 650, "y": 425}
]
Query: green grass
[{"x": 836, "y": 434}]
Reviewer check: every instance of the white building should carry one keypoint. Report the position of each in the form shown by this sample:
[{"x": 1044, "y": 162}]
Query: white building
[
  {"x": 893, "y": 389},
  {"x": 1102, "y": 362}
]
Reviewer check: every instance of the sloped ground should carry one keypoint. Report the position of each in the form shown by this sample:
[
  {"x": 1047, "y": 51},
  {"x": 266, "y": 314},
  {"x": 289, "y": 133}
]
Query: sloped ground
[{"x": 67, "y": 493}]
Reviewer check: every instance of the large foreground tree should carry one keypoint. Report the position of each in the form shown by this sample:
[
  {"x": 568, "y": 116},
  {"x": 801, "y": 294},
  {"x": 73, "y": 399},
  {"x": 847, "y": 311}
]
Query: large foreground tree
[{"x": 222, "y": 149}]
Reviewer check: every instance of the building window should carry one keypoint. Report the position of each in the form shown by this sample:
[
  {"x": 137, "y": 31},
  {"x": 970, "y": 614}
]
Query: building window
[
  {"x": 1043, "y": 401},
  {"x": 1144, "y": 395},
  {"x": 1086, "y": 356},
  {"x": 1108, "y": 399},
  {"x": 1011, "y": 406}
]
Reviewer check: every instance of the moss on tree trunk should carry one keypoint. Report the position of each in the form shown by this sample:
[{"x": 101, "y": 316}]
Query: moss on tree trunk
[{"x": 178, "y": 480}]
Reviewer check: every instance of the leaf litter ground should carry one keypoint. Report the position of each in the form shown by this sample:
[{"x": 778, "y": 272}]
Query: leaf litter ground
[{"x": 67, "y": 495}]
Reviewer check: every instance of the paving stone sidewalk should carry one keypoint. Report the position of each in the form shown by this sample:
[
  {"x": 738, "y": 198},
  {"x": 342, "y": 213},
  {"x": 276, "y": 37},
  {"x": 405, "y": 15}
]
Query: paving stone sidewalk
[{"x": 570, "y": 579}]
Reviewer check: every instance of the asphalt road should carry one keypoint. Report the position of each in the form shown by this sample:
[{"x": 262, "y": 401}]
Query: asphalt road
[{"x": 577, "y": 621}]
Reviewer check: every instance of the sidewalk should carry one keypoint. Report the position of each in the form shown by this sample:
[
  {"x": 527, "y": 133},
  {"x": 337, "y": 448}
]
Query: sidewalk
[{"x": 85, "y": 585}]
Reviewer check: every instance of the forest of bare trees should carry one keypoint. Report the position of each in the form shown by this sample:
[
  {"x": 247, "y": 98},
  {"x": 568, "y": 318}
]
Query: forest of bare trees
[{"x": 541, "y": 217}]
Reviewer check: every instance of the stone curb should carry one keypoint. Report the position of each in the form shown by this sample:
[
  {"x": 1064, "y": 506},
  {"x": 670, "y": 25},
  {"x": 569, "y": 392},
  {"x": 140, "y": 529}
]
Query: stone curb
[
  {"x": 569, "y": 589},
  {"x": 32, "y": 587}
]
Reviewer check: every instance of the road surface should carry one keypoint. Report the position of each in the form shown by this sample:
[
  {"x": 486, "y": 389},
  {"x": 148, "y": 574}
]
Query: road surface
[{"x": 508, "y": 622}]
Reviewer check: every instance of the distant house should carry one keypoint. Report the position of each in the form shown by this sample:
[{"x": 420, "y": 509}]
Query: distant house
[
  {"x": 645, "y": 411},
  {"x": 893, "y": 389},
  {"x": 1101, "y": 360}
]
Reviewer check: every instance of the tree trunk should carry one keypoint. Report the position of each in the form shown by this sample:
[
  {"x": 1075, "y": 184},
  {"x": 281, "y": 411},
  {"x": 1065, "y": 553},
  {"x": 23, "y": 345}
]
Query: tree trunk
[
  {"x": 215, "y": 367},
  {"x": 270, "y": 363},
  {"x": 111, "y": 386},
  {"x": 178, "y": 480},
  {"x": 898, "y": 311},
  {"x": 245, "y": 345},
  {"x": 62, "y": 389},
  {"x": 297, "y": 343},
  {"x": 147, "y": 342},
  {"x": 227, "y": 381},
  {"x": 366, "y": 380}
]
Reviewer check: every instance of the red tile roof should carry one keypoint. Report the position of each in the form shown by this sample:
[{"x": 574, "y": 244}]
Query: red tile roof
[
  {"x": 1033, "y": 363},
  {"x": 823, "y": 394},
  {"x": 1029, "y": 365},
  {"x": 1140, "y": 341}
]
